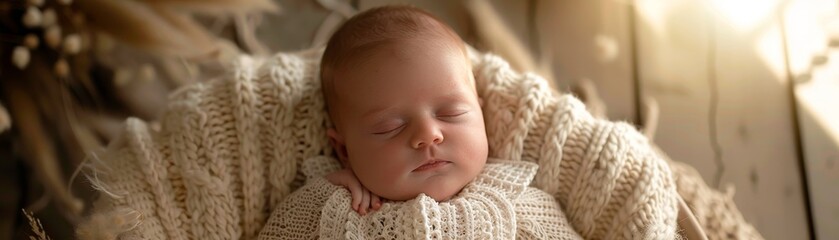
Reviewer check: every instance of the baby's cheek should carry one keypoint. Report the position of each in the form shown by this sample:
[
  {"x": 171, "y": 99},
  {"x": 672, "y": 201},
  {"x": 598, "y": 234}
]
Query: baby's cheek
[{"x": 383, "y": 174}]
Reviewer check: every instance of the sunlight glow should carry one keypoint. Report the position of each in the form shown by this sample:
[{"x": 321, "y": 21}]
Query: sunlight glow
[
  {"x": 819, "y": 99},
  {"x": 654, "y": 12},
  {"x": 806, "y": 35},
  {"x": 770, "y": 48},
  {"x": 746, "y": 14}
]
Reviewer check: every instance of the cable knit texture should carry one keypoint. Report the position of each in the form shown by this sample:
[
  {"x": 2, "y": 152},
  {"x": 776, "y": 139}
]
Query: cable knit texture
[
  {"x": 497, "y": 205},
  {"x": 227, "y": 152}
]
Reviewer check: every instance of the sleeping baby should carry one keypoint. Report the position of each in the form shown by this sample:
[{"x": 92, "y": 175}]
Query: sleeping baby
[{"x": 411, "y": 145}]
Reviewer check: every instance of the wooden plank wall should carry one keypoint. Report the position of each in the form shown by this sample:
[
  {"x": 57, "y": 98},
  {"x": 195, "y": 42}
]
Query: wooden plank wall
[
  {"x": 810, "y": 27},
  {"x": 591, "y": 40},
  {"x": 727, "y": 104},
  {"x": 723, "y": 110}
]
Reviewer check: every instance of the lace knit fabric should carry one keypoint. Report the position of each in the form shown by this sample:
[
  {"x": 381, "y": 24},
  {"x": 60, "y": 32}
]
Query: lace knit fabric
[
  {"x": 227, "y": 151},
  {"x": 497, "y": 205}
]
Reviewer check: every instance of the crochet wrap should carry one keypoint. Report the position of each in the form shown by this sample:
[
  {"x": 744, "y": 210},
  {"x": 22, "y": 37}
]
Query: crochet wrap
[
  {"x": 227, "y": 151},
  {"x": 498, "y": 204}
]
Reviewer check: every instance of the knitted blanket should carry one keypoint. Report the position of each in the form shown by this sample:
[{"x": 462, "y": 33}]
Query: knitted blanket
[
  {"x": 498, "y": 204},
  {"x": 227, "y": 151}
]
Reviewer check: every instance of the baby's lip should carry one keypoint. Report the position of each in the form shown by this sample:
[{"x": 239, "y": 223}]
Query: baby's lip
[{"x": 431, "y": 164}]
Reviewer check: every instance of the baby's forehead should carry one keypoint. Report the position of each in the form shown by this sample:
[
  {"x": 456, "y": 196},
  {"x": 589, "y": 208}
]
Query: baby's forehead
[{"x": 404, "y": 55}]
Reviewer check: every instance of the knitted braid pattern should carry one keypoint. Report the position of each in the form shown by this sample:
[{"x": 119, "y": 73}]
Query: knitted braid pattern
[
  {"x": 610, "y": 182},
  {"x": 225, "y": 154},
  {"x": 227, "y": 151}
]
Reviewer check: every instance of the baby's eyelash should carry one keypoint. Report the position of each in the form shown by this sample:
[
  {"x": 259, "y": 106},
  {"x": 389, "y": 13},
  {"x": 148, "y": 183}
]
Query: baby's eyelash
[
  {"x": 388, "y": 131},
  {"x": 453, "y": 115}
]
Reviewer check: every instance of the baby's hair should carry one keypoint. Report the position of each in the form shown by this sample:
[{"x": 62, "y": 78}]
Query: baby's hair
[{"x": 374, "y": 28}]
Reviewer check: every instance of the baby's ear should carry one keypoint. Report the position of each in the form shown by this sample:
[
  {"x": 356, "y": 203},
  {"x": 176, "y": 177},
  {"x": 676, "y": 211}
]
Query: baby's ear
[{"x": 337, "y": 143}]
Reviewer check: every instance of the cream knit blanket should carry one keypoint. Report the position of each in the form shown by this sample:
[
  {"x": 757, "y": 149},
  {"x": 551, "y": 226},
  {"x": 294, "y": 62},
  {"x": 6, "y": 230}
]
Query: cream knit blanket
[
  {"x": 498, "y": 204},
  {"x": 227, "y": 151}
]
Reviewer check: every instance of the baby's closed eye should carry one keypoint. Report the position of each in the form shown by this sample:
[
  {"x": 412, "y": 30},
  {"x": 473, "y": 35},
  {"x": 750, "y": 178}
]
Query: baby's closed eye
[
  {"x": 388, "y": 127},
  {"x": 452, "y": 114}
]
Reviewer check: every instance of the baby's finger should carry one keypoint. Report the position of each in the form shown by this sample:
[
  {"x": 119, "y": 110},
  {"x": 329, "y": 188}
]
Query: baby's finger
[
  {"x": 357, "y": 195},
  {"x": 365, "y": 202},
  {"x": 376, "y": 202}
]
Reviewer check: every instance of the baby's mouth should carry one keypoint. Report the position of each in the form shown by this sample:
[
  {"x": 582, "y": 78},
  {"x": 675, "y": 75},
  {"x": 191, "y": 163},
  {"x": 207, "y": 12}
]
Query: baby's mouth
[{"x": 431, "y": 165}]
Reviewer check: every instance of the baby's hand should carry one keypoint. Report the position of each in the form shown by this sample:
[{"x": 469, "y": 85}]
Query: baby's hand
[{"x": 362, "y": 199}]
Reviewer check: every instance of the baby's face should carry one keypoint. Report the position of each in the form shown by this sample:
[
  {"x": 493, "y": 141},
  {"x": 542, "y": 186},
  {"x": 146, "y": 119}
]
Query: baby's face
[{"x": 410, "y": 121}]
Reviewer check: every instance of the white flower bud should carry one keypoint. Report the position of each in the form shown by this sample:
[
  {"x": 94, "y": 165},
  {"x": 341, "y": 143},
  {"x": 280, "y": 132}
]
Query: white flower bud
[
  {"x": 72, "y": 44},
  {"x": 52, "y": 36},
  {"x": 49, "y": 18},
  {"x": 32, "y": 18},
  {"x": 20, "y": 57}
]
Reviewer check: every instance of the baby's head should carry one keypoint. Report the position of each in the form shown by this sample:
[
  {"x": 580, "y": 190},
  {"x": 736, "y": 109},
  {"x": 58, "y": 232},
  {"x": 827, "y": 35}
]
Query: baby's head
[{"x": 400, "y": 92}]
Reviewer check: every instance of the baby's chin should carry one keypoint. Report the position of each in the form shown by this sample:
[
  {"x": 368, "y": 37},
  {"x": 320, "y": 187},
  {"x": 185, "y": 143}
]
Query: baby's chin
[{"x": 439, "y": 194}]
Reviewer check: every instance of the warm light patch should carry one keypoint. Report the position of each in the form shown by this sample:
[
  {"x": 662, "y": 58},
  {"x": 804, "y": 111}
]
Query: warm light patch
[
  {"x": 654, "y": 13},
  {"x": 818, "y": 99},
  {"x": 745, "y": 14},
  {"x": 770, "y": 48}
]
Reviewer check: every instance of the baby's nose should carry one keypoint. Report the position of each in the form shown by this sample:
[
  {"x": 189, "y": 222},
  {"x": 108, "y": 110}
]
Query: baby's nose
[
  {"x": 435, "y": 141},
  {"x": 427, "y": 135}
]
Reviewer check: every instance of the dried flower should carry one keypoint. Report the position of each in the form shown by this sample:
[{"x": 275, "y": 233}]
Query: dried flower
[
  {"x": 147, "y": 73},
  {"x": 72, "y": 44},
  {"x": 222, "y": 6},
  {"x": 49, "y": 18},
  {"x": 37, "y": 228},
  {"x": 35, "y": 3},
  {"x": 31, "y": 41},
  {"x": 52, "y": 36},
  {"x": 62, "y": 69},
  {"x": 20, "y": 57},
  {"x": 160, "y": 29},
  {"x": 32, "y": 18}
]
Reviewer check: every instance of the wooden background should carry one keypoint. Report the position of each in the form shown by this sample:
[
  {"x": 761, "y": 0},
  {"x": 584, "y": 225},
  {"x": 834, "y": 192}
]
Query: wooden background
[{"x": 748, "y": 90}]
